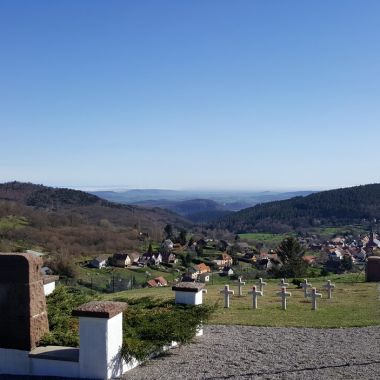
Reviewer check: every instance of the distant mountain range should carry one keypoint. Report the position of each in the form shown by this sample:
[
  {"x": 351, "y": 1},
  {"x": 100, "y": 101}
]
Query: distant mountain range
[
  {"x": 197, "y": 206},
  {"x": 196, "y": 210},
  {"x": 333, "y": 207}
]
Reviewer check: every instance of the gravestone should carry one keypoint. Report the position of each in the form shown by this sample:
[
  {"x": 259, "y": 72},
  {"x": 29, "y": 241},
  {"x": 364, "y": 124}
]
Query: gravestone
[
  {"x": 305, "y": 285},
  {"x": 329, "y": 287},
  {"x": 23, "y": 316},
  {"x": 283, "y": 283},
  {"x": 261, "y": 284},
  {"x": 240, "y": 284},
  {"x": 373, "y": 269},
  {"x": 227, "y": 292},
  {"x": 284, "y": 294},
  {"x": 255, "y": 294},
  {"x": 314, "y": 295}
]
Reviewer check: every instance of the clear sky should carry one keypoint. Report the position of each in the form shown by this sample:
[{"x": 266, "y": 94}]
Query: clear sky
[{"x": 205, "y": 94}]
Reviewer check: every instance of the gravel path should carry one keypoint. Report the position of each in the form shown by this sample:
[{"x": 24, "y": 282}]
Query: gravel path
[{"x": 242, "y": 352}]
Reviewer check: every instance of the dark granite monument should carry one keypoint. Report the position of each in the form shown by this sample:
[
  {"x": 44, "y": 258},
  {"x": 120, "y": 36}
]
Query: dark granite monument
[
  {"x": 23, "y": 316},
  {"x": 373, "y": 268}
]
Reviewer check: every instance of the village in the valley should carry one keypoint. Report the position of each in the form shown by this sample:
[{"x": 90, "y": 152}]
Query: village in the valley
[
  {"x": 204, "y": 260},
  {"x": 234, "y": 276}
]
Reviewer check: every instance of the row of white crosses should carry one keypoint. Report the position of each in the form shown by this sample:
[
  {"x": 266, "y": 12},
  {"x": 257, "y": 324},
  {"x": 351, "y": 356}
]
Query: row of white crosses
[{"x": 283, "y": 293}]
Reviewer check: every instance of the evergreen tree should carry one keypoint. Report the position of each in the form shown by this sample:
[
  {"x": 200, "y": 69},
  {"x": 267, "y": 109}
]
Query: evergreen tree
[
  {"x": 291, "y": 253},
  {"x": 168, "y": 231}
]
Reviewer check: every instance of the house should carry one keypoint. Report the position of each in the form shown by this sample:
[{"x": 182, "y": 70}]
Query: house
[
  {"x": 242, "y": 247},
  {"x": 222, "y": 245},
  {"x": 99, "y": 262},
  {"x": 169, "y": 258},
  {"x": 192, "y": 273},
  {"x": 202, "y": 243},
  {"x": 372, "y": 243},
  {"x": 124, "y": 259},
  {"x": 134, "y": 257},
  {"x": 152, "y": 258},
  {"x": 309, "y": 259},
  {"x": 187, "y": 278},
  {"x": 204, "y": 277},
  {"x": 338, "y": 241},
  {"x": 250, "y": 256},
  {"x": 360, "y": 254},
  {"x": 167, "y": 245},
  {"x": 202, "y": 268},
  {"x": 223, "y": 260},
  {"x": 227, "y": 271},
  {"x": 157, "y": 282},
  {"x": 335, "y": 254},
  {"x": 121, "y": 260}
]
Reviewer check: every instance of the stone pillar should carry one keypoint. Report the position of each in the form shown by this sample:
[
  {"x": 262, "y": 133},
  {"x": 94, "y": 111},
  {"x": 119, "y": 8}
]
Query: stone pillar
[
  {"x": 373, "y": 269},
  {"x": 23, "y": 316},
  {"x": 101, "y": 338},
  {"x": 189, "y": 293}
]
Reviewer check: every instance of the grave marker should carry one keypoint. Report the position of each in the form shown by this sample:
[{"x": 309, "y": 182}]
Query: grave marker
[
  {"x": 283, "y": 283},
  {"x": 241, "y": 283},
  {"x": 329, "y": 287},
  {"x": 314, "y": 295},
  {"x": 227, "y": 292},
  {"x": 255, "y": 293},
  {"x": 305, "y": 285},
  {"x": 261, "y": 284},
  {"x": 284, "y": 294}
]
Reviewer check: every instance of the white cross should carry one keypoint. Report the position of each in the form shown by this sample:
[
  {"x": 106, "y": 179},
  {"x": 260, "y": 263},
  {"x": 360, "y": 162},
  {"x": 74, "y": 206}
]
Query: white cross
[
  {"x": 329, "y": 286},
  {"x": 314, "y": 295},
  {"x": 255, "y": 293},
  {"x": 240, "y": 286},
  {"x": 305, "y": 285},
  {"x": 283, "y": 283},
  {"x": 261, "y": 283},
  {"x": 284, "y": 294},
  {"x": 226, "y": 291}
]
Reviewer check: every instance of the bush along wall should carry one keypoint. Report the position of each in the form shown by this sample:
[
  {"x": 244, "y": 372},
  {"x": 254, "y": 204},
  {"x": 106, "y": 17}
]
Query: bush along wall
[{"x": 149, "y": 324}]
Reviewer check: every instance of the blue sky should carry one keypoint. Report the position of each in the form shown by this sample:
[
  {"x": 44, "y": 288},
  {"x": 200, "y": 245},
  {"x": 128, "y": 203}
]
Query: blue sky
[{"x": 268, "y": 94}]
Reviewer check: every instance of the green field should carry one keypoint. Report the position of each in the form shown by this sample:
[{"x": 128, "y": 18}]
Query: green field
[
  {"x": 12, "y": 223},
  {"x": 353, "y": 304},
  {"x": 107, "y": 278},
  {"x": 266, "y": 238}
]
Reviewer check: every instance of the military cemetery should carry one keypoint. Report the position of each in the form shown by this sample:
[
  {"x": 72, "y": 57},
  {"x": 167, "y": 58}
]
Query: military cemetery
[{"x": 189, "y": 190}]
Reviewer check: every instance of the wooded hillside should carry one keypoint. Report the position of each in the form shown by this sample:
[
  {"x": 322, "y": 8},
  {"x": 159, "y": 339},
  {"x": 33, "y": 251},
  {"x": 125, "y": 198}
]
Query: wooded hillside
[
  {"x": 74, "y": 222},
  {"x": 333, "y": 207}
]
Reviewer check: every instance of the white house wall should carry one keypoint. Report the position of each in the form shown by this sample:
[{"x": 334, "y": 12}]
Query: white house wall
[
  {"x": 188, "y": 298},
  {"x": 49, "y": 288},
  {"x": 14, "y": 362},
  {"x": 48, "y": 367}
]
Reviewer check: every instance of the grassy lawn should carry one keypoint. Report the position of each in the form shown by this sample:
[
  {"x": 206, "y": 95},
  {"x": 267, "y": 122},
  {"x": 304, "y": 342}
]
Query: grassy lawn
[{"x": 353, "y": 304}]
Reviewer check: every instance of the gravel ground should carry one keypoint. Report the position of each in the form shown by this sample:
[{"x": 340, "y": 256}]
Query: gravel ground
[{"x": 243, "y": 352}]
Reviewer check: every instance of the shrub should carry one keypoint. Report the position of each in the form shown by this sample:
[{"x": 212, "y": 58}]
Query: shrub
[{"x": 297, "y": 281}]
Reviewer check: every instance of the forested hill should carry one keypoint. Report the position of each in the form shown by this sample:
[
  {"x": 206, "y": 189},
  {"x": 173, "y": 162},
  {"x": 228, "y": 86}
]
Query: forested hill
[
  {"x": 65, "y": 220},
  {"x": 340, "y": 206}
]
